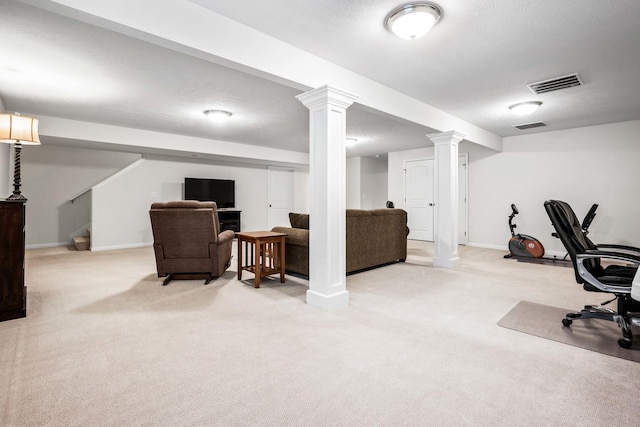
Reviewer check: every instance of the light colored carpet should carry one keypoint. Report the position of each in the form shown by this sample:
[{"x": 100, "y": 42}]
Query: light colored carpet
[
  {"x": 546, "y": 322},
  {"x": 105, "y": 344}
]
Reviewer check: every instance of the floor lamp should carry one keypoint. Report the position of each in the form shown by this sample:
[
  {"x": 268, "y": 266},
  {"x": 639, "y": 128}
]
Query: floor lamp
[{"x": 18, "y": 130}]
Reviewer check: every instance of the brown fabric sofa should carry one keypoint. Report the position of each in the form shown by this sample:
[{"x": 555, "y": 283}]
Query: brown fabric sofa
[
  {"x": 374, "y": 238},
  {"x": 187, "y": 240}
]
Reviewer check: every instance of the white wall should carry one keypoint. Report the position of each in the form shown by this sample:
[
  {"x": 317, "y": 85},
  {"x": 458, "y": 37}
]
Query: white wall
[
  {"x": 352, "y": 184},
  {"x": 366, "y": 183},
  {"x": 597, "y": 164},
  {"x": 581, "y": 166},
  {"x": 121, "y": 204},
  {"x": 51, "y": 175},
  {"x": 301, "y": 191},
  {"x": 373, "y": 183}
]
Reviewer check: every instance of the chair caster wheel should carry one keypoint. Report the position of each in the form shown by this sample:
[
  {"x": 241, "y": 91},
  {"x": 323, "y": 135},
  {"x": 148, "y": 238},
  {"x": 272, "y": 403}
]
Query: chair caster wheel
[
  {"x": 624, "y": 343},
  {"x": 567, "y": 322}
]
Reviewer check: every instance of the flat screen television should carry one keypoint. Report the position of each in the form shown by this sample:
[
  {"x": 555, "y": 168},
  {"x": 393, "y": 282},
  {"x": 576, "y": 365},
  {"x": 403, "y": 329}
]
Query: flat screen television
[{"x": 221, "y": 191}]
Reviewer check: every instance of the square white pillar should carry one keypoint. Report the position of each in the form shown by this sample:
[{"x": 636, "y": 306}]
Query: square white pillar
[
  {"x": 327, "y": 222},
  {"x": 446, "y": 198}
]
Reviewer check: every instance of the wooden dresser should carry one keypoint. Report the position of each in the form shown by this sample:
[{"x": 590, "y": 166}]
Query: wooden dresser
[{"x": 13, "y": 293}]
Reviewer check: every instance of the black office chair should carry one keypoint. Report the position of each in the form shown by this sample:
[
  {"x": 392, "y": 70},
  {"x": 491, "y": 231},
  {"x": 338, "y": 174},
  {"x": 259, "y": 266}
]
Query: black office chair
[{"x": 587, "y": 260}]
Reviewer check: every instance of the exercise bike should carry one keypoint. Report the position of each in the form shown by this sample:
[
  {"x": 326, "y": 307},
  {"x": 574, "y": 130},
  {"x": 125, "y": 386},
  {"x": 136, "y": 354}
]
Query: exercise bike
[
  {"x": 522, "y": 245},
  {"x": 529, "y": 249}
]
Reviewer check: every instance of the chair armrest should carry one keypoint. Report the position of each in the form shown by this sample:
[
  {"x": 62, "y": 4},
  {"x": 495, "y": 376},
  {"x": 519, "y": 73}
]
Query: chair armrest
[
  {"x": 226, "y": 236},
  {"x": 604, "y": 255},
  {"x": 620, "y": 248},
  {"x": 614, "y": 255}
]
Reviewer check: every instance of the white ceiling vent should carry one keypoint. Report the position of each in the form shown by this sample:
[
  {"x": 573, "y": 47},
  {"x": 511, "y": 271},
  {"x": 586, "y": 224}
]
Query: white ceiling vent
[
  {"x": 557, "y": 83},
  {"x": 530, "y": 125}
]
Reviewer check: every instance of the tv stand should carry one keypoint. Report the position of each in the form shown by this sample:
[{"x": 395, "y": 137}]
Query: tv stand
[{"x": 229, "y": 219}]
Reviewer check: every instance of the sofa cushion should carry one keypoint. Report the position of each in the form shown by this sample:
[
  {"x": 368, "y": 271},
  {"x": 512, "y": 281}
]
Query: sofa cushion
[{"x": 299, "y": 220}]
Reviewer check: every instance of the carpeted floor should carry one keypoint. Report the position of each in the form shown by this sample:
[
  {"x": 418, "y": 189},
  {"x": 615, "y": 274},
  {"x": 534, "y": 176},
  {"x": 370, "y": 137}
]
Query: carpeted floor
[{"x": 105, "y": 344}]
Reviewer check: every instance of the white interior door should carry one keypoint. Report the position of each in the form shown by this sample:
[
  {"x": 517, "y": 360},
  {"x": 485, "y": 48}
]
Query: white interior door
[
  {"x": 280, "y": 196},
  {"x": 418, "y": 194}
]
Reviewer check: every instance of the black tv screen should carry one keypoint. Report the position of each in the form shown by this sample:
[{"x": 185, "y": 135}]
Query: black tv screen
[{"x": 221, "y": 191}]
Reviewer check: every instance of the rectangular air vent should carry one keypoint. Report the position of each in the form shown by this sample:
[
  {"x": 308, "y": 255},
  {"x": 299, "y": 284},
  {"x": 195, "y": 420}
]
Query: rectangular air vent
[
  {"x": 530, "y": 125},
  {"x": 558, "y": 83}
]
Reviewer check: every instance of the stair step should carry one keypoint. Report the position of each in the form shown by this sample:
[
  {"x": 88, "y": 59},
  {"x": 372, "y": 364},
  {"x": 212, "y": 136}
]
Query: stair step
[{"x": 82, "y": 243}]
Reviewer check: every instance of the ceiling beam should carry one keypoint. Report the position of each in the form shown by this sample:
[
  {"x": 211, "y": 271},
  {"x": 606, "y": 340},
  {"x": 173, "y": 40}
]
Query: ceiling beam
[
  {"x": 145, "y": 141},
  {"x": 187, "y": 27}
]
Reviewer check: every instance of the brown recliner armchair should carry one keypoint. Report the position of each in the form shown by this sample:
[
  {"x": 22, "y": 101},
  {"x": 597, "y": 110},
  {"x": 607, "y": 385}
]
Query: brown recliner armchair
[{"x": 187, "y": 240}]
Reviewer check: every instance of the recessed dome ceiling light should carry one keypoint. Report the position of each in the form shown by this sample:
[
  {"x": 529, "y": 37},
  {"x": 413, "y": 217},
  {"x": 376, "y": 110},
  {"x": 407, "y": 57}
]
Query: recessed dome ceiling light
[
  {"x": 524, "y": 108},
  {"x": 413, "y": 20},
  {"x": 350, "y": 141},
  {"x": 217, "y": 116}
]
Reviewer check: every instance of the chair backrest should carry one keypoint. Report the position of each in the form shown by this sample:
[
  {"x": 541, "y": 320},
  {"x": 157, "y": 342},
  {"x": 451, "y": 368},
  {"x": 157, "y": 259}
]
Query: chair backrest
[
  {"x": 185, "y": 228},
  {"x": 569, "y": 230}
]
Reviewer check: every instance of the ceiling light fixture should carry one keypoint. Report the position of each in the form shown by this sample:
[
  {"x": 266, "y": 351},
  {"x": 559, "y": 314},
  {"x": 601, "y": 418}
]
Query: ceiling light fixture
[
  {"x": 413, "y": 20},
  {"x": 524, "y": 108},
  {"x": 350, "y": 141},
  {"x": 217, "y": 116}
]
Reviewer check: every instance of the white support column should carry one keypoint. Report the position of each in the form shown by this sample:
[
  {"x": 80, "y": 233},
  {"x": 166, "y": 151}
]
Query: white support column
[
  {"x": 446, "y": 198},
  {"x": 327, "y": 223}
]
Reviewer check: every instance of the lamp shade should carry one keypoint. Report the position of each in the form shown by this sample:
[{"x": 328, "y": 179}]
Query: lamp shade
[{"x": 17, "y": 129}]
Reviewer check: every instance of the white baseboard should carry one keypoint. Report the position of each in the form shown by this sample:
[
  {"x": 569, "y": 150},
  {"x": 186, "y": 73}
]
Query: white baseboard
[
  {"x": 48, "y": 245},
  {"x": 93, "y": 249},
  {"x": 487, "y": 246},
  {"x": 114, "y": 247},
  {"x": 547, "y": 254}
]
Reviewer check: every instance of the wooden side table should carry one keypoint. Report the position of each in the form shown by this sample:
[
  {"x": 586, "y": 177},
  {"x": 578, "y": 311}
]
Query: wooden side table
[{"x": 263, "y": 254}]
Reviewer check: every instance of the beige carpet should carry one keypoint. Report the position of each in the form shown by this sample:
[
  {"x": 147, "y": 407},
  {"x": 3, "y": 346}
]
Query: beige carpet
[
  {"x": 546, "y": 322},
  {"x": 104, "y": 344}
]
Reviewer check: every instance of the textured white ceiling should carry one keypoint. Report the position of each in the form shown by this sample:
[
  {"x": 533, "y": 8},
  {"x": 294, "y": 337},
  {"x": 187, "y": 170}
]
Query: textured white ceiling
[
  {"x": 474, "y": 63},
  {"x": 61, "y": 67},
  {"x": 479, "y": 57},
  {"x": 75, "y": 70}
]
